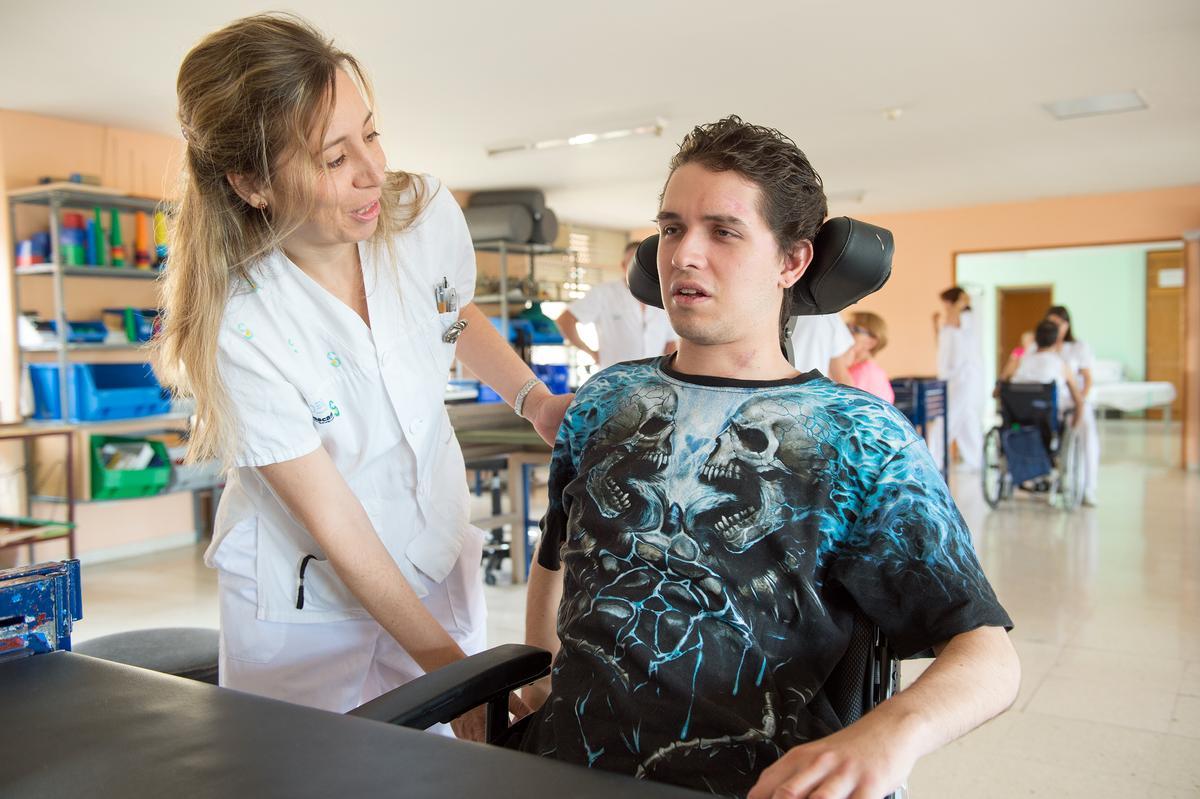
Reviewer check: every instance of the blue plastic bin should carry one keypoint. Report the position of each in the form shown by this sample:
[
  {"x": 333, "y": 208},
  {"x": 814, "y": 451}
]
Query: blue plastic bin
[
  {"x": 99, "y": 391},
  {"x": 518, "y": 329},
  {"x": 556, "y": 376},
  {"x": 487, "y": 395},
  {"x": 86, "y": 332}
]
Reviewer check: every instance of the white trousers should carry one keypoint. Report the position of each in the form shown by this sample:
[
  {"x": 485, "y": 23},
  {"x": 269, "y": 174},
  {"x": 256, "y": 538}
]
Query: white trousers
[
  {"x": 1091, "y": 452},
  {"x": 965, "y": 422},
  {"x": 332, "y": 665}
]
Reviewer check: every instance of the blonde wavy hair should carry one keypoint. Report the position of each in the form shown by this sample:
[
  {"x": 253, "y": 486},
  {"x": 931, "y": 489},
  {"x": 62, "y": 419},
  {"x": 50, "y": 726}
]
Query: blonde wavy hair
[{"x": 253, "y": 98}]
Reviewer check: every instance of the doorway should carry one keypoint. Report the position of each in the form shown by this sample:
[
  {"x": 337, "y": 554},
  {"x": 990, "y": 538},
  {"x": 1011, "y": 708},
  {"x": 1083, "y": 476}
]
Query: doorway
[
  {"x": 1020, "y": 308},
  {"x": 1164, "y": 324}
]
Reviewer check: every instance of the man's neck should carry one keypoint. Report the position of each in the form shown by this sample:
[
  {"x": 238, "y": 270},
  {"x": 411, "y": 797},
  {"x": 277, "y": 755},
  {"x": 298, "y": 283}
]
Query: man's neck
[{"x": 738, "y": 361}]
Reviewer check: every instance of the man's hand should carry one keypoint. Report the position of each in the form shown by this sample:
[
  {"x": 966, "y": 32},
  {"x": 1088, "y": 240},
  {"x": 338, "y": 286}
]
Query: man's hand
[
  {"x": 472, "y": 725},
  {"x": 867, "y": 760},
  {"x": 535, "y": 694}
]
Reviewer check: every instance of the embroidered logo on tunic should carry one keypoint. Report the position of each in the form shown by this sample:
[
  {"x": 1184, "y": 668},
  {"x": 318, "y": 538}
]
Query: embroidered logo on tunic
[{"x": 324, "y": 412}]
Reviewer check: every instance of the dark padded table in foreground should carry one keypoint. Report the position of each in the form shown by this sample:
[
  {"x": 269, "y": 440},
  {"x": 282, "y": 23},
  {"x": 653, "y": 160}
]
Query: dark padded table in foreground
[{"x": 75, "y": 726}]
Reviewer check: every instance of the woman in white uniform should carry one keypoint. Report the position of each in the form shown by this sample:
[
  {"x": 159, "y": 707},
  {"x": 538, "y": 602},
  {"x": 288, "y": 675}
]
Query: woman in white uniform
[
  {"x": 1078, "y": 356},
  {"x": 312, "y": 307},
  {"x": 960, "y": 364}
]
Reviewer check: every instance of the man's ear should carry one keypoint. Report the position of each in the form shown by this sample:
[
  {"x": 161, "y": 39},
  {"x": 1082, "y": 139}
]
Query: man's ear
[
  {"x": 795, "y": 263},
  {"x": 247, "y": 188}
]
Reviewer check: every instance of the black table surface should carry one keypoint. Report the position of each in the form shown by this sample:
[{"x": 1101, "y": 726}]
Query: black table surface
[{"x": 71, "y": 725}]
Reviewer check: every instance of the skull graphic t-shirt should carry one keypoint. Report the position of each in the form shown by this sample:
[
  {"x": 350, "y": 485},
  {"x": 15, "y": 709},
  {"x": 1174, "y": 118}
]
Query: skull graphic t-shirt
[{"x": 718, "y": 539}]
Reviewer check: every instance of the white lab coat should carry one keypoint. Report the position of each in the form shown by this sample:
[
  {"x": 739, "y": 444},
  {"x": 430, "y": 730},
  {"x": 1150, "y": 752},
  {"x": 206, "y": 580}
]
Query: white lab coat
[
  {"x": 627, "y": 329},
  {"x": 817, "y": 340},
  {"x": 960, "y": 364},
  {"x": 302, "y": 370}
]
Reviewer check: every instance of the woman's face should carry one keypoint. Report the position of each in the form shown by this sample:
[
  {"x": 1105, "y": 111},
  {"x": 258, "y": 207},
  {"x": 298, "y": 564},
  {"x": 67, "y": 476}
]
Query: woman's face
[
  {"x": 1063, "y": 326},
  {"x": 348, "y": 174},
  {"x": 864, "y": 343}
]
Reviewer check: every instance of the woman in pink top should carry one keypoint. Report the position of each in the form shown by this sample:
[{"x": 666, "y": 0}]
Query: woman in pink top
[{"x": 870, "y": 336}]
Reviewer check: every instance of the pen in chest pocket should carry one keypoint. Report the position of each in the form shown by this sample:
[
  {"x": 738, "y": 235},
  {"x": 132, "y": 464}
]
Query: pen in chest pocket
[{"x": 445, "y": 296}]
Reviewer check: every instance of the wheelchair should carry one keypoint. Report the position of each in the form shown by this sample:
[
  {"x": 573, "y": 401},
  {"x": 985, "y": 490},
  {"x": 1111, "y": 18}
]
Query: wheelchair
[
  {"x": 1032, "y": 448},
  {"x": 867, "y": 674}
]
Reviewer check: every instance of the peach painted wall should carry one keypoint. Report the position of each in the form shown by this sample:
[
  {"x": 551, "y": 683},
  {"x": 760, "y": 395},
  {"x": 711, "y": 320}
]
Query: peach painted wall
[{"x": 927, "y": 241}]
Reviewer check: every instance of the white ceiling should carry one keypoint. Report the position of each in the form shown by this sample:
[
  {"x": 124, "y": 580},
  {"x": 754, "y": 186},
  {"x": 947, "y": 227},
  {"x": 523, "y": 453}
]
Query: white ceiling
[{"x": 454, "y": 77}]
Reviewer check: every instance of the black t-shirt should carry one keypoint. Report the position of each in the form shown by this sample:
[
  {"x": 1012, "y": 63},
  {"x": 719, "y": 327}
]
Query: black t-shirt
[{"x": 717, "y": 538}]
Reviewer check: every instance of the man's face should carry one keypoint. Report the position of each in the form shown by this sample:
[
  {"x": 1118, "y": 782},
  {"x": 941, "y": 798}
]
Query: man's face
[{"x": 721, "y": 270}]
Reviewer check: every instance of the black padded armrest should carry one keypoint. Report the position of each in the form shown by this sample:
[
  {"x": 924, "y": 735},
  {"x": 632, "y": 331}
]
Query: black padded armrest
[{"x": 443, "y": 695}]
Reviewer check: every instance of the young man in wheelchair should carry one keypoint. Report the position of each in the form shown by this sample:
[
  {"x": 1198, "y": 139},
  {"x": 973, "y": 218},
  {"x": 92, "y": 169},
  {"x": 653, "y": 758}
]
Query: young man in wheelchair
[{"x": 717, "y": 520}]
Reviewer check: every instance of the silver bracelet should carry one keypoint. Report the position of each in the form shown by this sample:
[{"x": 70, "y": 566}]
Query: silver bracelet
[{"x": 519, "y": 405}]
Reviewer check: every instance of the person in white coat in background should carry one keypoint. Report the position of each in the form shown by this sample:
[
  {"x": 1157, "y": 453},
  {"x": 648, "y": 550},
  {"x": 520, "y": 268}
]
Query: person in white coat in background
[
  {"x": 1078, "y": 356},
  {"x": 825, "y": 343},
  {"x": 628, "y": 330},
  {"x": 960, "y": 364}
]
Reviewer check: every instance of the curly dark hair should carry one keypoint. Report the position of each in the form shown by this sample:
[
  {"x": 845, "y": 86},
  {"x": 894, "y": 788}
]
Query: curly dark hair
[{"x": 793, "y": 197}]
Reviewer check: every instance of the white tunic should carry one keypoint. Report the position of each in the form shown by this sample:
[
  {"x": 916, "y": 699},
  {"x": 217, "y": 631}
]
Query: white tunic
[
  {"x": 1078, "y": 355},
  {"x": 1045, "y": 366},
  {"x": 627, "y": 329},
  {"x": 817, "y": 340},
  {"x": 960, "y": 364},
  {"x": 302, "y": 370}
]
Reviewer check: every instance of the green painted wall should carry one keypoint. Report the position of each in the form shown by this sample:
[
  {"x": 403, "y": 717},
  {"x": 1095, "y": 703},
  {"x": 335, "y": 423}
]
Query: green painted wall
[{"x": 1103, "y": 287}]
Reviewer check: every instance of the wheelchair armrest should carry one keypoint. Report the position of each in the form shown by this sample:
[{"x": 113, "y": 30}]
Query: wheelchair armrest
[{"x": 443, "y": 695}]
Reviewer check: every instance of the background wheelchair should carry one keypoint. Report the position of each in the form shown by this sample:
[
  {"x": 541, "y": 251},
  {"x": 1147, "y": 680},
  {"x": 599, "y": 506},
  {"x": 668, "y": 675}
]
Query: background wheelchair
[{"x": 1032, "y": 447}]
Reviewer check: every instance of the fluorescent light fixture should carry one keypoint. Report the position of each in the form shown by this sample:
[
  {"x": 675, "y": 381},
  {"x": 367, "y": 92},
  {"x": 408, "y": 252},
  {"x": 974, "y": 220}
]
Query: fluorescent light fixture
[
  {"x": 1096, "y": 105},
  {"x": 651, "y": 129}
]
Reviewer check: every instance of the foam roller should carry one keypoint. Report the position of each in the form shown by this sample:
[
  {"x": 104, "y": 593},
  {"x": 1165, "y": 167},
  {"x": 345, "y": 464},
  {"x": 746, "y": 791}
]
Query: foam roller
[
  {"x": 533, "y": 199},
  {"x": 545, "y": 228},
  {"x": 511, "y": 223}
]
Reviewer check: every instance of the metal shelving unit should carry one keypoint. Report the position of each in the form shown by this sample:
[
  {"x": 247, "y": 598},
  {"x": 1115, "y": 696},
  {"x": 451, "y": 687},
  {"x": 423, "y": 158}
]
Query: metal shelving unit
[
  {"x": 531, "y": 251},
  {"x": 84, "y": 347},
  {"x": 57, "y": 197},
  {"x": 123, "y": 272}
]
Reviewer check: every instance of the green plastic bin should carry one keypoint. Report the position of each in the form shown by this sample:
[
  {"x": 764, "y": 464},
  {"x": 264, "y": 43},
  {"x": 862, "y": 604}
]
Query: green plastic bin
[{"x": 127, "y": 483}]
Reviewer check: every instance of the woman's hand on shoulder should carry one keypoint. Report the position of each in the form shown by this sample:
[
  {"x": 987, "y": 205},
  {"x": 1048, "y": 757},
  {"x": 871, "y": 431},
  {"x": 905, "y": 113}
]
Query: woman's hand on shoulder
[{"x": 547, "y": 415}]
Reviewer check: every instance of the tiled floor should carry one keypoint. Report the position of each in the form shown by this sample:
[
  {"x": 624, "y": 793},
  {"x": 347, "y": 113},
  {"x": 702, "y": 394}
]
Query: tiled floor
[{"x": 1106, "y": 603}]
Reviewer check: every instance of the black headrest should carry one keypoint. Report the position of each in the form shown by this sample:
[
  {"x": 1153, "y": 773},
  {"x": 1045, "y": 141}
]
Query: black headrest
[{"x": 851, "y": 259}]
